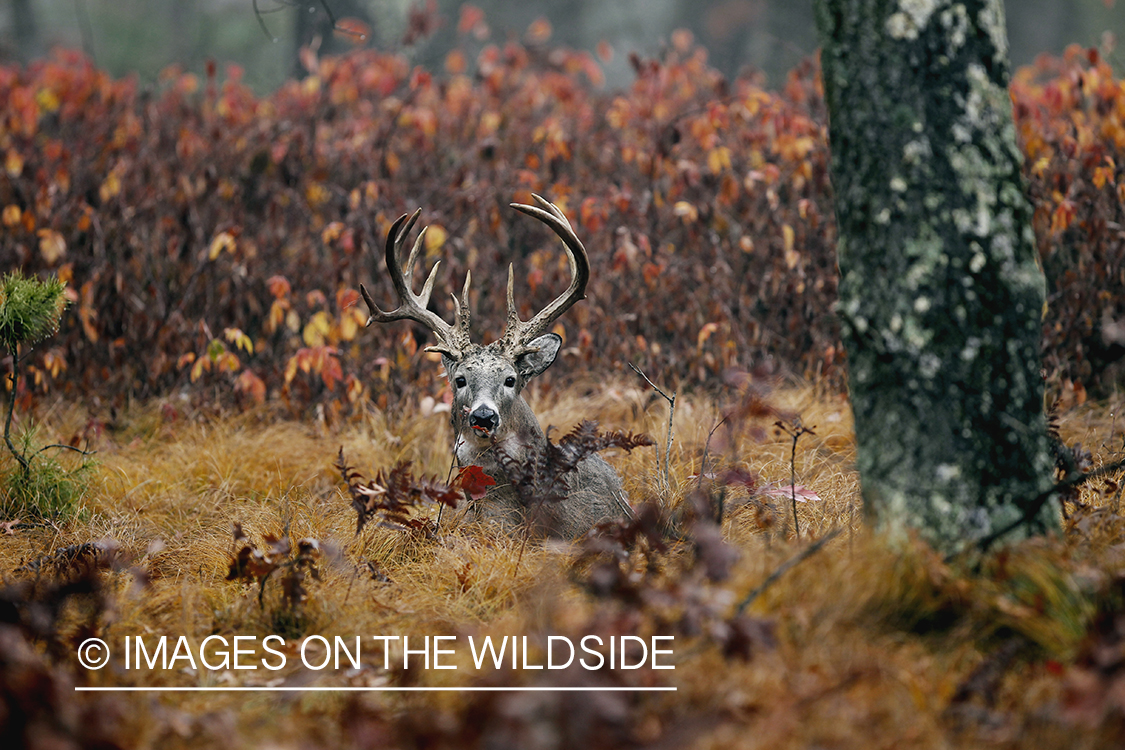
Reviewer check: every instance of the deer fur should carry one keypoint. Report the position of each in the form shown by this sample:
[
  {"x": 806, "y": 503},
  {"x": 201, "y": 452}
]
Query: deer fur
[
  {"x": 595, "y": 491},
  {"x": 489, "y": 413}
]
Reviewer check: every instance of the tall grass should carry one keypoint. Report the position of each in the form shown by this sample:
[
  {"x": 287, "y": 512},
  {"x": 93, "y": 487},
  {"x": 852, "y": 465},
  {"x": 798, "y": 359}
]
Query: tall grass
[{"x": 858, "y": 645}]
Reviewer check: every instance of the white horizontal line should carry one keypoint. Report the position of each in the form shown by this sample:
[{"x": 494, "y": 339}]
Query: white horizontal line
[{"x": 349, "y": 688}]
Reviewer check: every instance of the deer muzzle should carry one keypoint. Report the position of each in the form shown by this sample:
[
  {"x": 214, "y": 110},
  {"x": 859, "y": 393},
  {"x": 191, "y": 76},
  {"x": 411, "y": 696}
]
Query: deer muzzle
[{"x": 484, "y": 420}]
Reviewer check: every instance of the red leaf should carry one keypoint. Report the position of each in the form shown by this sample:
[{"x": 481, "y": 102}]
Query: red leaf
[
  {"x": 471, "y": 18},
  {"x": 474, "y": 481}
]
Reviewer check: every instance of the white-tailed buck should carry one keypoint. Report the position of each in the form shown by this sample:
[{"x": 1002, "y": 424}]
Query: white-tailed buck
[{"x": 491, "y": 420}]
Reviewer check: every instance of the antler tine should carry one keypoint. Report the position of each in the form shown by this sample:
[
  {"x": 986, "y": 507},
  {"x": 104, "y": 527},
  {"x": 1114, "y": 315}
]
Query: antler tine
[
  {"x": 518, "y": 333},
  {"x": 454, "y": 338},
  {"x": 461, "y": 308}
]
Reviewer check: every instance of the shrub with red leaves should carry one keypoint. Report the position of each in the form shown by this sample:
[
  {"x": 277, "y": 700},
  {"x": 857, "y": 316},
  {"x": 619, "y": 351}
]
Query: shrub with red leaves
[{"x": 212, "y": 237}]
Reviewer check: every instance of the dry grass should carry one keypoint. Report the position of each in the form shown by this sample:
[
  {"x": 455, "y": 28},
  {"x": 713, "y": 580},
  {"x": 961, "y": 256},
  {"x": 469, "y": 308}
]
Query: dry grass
[{"x": 870, "y": 646}]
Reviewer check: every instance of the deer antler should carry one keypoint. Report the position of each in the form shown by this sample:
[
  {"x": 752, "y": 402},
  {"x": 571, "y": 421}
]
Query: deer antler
[
  {"x": 518, "y": 333},
  {"x": 454, "y": 338}
]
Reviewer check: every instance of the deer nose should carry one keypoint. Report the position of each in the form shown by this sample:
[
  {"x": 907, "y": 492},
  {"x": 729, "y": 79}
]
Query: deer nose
[{"x": 484, "y": 418}]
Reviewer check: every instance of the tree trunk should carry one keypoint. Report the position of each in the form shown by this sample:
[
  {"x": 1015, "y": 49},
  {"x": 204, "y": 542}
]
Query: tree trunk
[{"x": 940, "y": 294}]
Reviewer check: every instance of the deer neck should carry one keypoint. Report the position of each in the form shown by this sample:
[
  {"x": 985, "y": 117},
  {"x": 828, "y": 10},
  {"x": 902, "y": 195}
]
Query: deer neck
[{"x": 521, "y": 434}]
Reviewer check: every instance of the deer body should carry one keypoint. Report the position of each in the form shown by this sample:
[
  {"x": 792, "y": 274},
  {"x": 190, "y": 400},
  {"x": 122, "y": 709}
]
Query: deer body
[
  {"x": 491, "y": 420},
  {"x": 490, "y": 416}
]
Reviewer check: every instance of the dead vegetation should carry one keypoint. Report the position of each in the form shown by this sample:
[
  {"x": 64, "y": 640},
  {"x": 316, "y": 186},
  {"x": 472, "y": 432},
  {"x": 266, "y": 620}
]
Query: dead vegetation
[{"x": 203, "y": 525}]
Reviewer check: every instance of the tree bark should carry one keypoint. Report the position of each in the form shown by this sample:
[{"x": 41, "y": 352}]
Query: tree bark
[{"x": 941, "y": 293}]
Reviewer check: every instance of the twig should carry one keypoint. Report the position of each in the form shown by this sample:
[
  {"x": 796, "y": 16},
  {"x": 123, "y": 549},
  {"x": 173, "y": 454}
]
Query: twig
[
  {"x": 794, "y": 430},
  {"x": 807, "y": 552},
  {"x": 79, "y": 451},
  {"x": 523, "y": 544},
  {"x": 25, "y": 465},
  {"x": 1038, "y": 502},
  {"x": 348, "y": 593},
  {"x": 258, "y": 12},
  {"x": 262, "y": 22},
  {"x": 328, "y": 11},
  {"x": 706, "y": 446},
  {"x": 668, "y": 443},
  {"x": 448, "y": 478}
]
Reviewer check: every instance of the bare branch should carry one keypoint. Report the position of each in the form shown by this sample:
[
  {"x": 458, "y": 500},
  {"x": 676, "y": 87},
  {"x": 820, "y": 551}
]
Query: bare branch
[
  {"x": 668, "y": 443},
  {"x": 785, "y": 567}
]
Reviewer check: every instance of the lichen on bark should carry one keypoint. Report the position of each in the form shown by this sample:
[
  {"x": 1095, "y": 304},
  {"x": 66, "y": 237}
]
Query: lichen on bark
[{"x": 940, "y": 294}]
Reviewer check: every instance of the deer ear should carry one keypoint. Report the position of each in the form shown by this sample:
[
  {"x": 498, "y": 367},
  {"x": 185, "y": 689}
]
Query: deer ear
[{"x": 532, "y": 363}]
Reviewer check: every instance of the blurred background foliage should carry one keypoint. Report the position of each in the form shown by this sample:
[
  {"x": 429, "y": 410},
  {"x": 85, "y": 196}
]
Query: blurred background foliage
[
  {"x": 213, "y": 237},
  {"x": 771, "y": 36}
]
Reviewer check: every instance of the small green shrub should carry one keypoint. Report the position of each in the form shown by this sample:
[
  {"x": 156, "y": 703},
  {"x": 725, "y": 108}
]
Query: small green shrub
[
  {"x": 47, "y": 491},
  {"x": 30, "y": 311}
]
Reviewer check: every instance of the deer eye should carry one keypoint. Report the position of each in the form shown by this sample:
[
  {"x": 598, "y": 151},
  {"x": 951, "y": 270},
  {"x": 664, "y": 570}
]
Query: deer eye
[
  {"x": 510, "y": 381},
  {"x": 460, "y": 381}
]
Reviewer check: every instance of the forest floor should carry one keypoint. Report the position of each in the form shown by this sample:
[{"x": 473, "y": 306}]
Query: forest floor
[{"x": 857, "y": 644}]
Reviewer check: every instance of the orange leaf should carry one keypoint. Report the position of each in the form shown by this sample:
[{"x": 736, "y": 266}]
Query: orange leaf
[
  {"x": 86, "y": 312},
  {"x": 1063, "y": 216},
  {"x": 317, "y": 330},
  {"x": 391, "y": 160},
  {"x": 354, "y": 389},
  {"x": 228, "y": 362},
  {"x": 332, "y": 232},
  {"x": 252, "y": 385},
  {"x": 330, "y": 370},
  {"x": 474, "y": 481},
  {"x": 52, "y": 246},
  {"x": 346, "y": 297},
  {"x": 705, "y": 333},
  {"x": 539, "y": 31},
  {"x": 276, "y": 316},
  {"x": 792, "y": 257},
  {"x": 686, "y": 211},
  {"x": 592, "y": 213},
  {"x": 13, "y": 163},
  {"x": 352, "y": 30},
  {"x": 239, "y": 339},
  {"x": 110, "y": 187},
  {"x": 455, "y": 62},
  {"x": 223, "y": 241},
  {"x": 278, "y": 286},
  {"x": 435, "y": 238},
  {"x": 471, "y": 18},
  {"x": 682, "y": 39},
  {"x": 291, "y": 367},
  {"x": 718, "y": 159},
  {"x": 197, "y": 369},
  {"x": 11, "y": 215}
]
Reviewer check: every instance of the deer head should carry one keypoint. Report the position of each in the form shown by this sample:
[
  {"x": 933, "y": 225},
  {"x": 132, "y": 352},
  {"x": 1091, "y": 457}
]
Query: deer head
[{"x": 488, "y": 380}]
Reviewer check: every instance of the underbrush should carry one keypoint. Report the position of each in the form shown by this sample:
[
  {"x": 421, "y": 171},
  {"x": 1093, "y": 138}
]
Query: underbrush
[
  {"x": 45, "y": 490},
  {"x": 228, "y": 525}
]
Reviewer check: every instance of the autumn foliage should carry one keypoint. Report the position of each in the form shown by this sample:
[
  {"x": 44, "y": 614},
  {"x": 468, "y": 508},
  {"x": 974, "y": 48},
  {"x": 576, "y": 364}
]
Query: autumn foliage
[
  {"x": 213, "y": 240},
  {"x": 1071, "y": 118}
]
